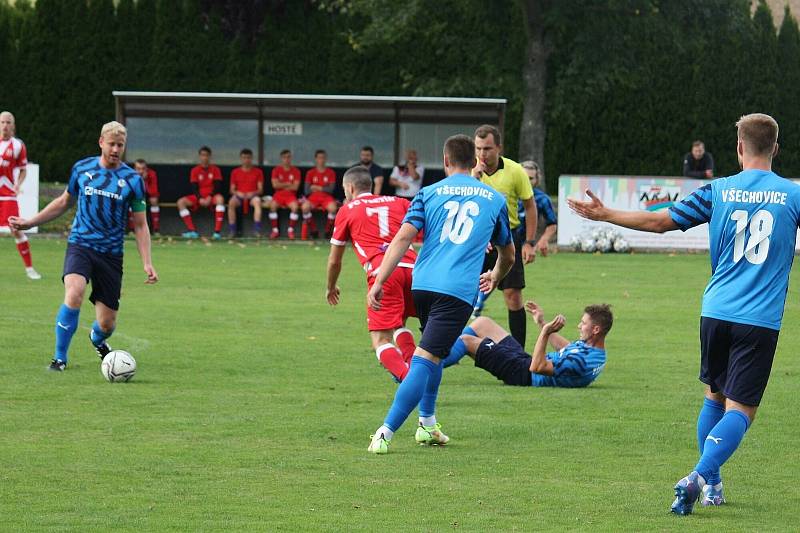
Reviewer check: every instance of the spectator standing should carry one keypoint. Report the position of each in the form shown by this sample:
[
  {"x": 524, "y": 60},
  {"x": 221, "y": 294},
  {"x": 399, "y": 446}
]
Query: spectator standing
[
  {"x": 407, "y": 179},
  {"x": 285, "y": 180},
  {"x": 367, "y": 160},
  {"x": 698, "y": 163},
  {"x": 247, "y": 186}
]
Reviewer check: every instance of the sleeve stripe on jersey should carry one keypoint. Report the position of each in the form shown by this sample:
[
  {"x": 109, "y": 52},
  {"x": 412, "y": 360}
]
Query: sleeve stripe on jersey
[
  {"x": 686, "y": 219},
  {"x": 689, "y": 202},
  {"x": 410, "y": 219},
  {"x": 337, "y": 242}
]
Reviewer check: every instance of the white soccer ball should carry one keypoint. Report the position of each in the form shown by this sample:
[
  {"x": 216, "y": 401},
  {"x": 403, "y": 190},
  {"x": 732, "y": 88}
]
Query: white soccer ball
[
  {"x": 575, "y": 243},
  {"x": 588, "y": 245},
  {"x": 621, "y": 245},
  {"x": 118, "y": 365},
  {"x": 604, "y": 245}
]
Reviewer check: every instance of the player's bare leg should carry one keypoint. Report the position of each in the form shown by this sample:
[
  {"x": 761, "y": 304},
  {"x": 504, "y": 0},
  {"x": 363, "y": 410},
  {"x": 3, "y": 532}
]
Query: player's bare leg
[
  {"x": 67, "y": 319},
  {"x": 24, "y": 249},
  {"x": 275, "y": 232},
  {"x": 294, "y": 207},
  {"x": 184, "y": 206},
  {"x": 233, "y": 204},
  {"x": 155, "y": 215},
  {"x": 255, "y": 202},
  {"x": 305, "y": 208},
  {"x": 389, "y": 355},
  {"x": 103, "y": 328},
  {"x": 331, "y": 208}
]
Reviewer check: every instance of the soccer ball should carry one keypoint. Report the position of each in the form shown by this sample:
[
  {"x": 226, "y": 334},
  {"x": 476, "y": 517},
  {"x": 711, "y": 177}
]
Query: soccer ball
[
  {"x": 621, "y": 245},
  {"x": 118, "y": 365},
  {"x": 575, "y": 243},
  {"x": 588, "y": 245},
  {"x": 604, "y": 245}
]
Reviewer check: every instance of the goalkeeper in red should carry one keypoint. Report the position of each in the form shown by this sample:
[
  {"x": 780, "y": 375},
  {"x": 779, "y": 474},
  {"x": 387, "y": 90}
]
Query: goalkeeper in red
[{"x": 370, "y": 222}]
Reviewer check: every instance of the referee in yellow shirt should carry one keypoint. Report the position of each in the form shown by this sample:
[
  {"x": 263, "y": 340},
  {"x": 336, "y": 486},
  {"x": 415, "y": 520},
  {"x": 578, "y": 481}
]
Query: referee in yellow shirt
[{"x": 509, "y": 178}]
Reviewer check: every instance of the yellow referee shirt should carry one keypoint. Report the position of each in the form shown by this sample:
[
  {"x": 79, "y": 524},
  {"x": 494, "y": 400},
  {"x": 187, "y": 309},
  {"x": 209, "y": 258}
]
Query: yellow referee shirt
[{"x": 512, "y": 181}]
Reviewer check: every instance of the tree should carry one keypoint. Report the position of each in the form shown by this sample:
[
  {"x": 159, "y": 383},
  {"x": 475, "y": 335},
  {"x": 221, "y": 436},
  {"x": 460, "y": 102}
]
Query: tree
[{"x": 788, "y": 113}]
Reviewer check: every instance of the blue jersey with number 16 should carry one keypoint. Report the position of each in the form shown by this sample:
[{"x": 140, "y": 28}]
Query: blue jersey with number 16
[
  {"x": 460, "y": 216},
  {"x": 753, "y": 219}
]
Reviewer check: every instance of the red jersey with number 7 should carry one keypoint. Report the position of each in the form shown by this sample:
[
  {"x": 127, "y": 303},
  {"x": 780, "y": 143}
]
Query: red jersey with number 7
[{"x": 370, "y": 222}]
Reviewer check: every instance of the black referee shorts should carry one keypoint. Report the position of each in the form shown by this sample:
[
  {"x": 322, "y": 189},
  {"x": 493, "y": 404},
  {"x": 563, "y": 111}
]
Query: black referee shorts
[
  {"x": 103, "y": 271},
  {"x": 442, "y": 319},
  {"x": 515, "y": 279},
  {"x": 736, "y": 359}
]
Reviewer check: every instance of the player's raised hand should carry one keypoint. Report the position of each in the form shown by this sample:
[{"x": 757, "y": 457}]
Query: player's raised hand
[
  {"x": 18, "y": 224},
  {"x": 375, "y": 295},
  {"x": 332, "y": 295},
  {"x": 487, "y": 282},
  {"x": 555, "y": 325},
  {"x": 152, "y": 275},
  {"x": 593, "y": 209},
  {"x": 536, "y": 312}
]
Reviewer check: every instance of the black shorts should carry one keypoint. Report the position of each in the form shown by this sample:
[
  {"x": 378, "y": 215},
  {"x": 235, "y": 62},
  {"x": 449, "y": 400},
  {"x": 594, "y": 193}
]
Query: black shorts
[
  {"x": 736, "y": 359},
  {"x": 506, "y": 360},
  {"x": 442, "y": 319},
  {"x": 103, "y": 271},
  {"x": 515, "y": 279}
]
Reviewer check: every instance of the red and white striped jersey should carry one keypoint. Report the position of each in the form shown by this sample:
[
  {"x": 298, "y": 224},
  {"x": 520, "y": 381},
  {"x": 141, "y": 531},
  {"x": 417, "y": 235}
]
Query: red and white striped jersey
[{"x": 13, "y": 155}]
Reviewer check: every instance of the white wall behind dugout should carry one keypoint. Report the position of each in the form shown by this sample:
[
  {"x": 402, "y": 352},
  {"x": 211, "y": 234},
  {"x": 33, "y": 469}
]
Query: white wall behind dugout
[
  {"x": 29, "y": 197},
  {"x": 631, "y": 193}
]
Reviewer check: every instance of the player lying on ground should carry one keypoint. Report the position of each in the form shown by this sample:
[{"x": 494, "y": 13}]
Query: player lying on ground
[
  {"x": 459, "y": 216},
  {"x": 752, "y": 223},
  {"x": 105, "y": 188},
  {"x": 573, "y": 364},
  {"x": 370, "y": 222},
  {"x": 13, "y": 157}
]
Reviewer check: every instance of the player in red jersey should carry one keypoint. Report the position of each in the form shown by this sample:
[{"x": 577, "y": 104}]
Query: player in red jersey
[
  {"x": 247, "y": 186},
  {"x": 285, "y": 181},
  {"x": 320, "y": 182},
  {"x": 13, "y": 157},
  {"x": 206, "y": 179},
  {"x": 370, "y": 222},
  {"x": 151, "y": 187}
]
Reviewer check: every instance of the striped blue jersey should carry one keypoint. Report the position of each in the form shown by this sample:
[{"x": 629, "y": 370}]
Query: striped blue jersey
[
  {"x": 752, "y": 220},
  {"x": 459, "y": 215},
  {"x": 544, "y": 206},
  {"x": 103, "y": 198},
  {"x": 576, "y": 365}
]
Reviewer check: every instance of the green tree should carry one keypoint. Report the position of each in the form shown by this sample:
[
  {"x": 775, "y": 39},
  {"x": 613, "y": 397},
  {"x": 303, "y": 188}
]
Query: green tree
[{"x": 788, "y": 112}]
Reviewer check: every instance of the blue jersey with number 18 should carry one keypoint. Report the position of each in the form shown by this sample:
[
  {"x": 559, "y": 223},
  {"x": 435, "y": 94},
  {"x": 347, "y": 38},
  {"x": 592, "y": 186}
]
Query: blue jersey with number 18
[
  {"x": 460, "y": 216},
  {"x": 753, "y": 219}
]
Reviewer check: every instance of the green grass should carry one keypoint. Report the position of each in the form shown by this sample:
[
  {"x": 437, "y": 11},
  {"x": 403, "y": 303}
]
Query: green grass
[{"x": 254, "y": 401}]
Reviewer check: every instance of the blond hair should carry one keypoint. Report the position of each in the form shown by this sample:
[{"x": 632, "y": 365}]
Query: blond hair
[
  {"x": 759, "y": 133},
  {"x": 113, "y": 128},
  {"x": 9, "y": 114}
]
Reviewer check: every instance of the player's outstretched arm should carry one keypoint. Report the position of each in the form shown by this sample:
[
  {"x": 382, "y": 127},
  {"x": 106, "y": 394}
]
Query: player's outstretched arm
[
  {"x": 53, "y": 210},
  {"x": 537, "y": 314},
  {"x": 334, "y": 269},
  {"x": 540, "y": 364},
  {"x": 397, "y": 249},
  {"x": 652, "y": 221},
  {"x": 142, "y": 233}
]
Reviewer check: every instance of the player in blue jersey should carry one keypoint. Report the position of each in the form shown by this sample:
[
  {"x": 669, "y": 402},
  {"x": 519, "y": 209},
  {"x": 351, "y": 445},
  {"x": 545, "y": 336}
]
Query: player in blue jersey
[
  {"x": 459, "y": 216},
  {"x": 752, "y": 219},
  {"x": 105, "y": 189},
  {"x": 572, "y": 365}
]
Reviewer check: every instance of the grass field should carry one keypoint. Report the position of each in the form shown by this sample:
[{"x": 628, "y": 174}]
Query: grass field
[{"x": 254, "y": 402}]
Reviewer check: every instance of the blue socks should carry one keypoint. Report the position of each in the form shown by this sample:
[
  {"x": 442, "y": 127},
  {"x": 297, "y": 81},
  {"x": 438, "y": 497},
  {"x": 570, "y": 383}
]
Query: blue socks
[
  {"x": 98, "y": 335},
  {"x": 710, "y": 415},
  {"x": 721, "y": 442},
  {"x": 427, "y": 405},
  {"x": 66, "y": 325},
  {"x": 411, "y": 390},
  {"x": 459, "y": 349}
]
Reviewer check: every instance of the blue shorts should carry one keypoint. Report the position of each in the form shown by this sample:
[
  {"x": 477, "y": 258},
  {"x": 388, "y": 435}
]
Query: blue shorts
[
  {"x": 103, "y": 271},
  {"x": 442, "y": 319},
  {"x": 736, "y": 359},
  {"x": 506, "y": 360}
]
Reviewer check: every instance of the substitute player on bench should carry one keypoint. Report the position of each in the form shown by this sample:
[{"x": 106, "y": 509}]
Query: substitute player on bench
[
  {"x": 104, "y": 188},
  {"x": 752, "y": 221},
  {"x": 370, "y": 222},
  {"x": 206, "y": 181},
  {"x": 320, "y": 182}
]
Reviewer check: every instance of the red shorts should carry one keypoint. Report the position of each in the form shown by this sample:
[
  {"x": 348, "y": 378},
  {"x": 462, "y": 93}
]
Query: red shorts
[
  {"x": 397, "y": 303},
  {"x": 284, "y": 197},
  {"x": 196, "y": 201},
  {"x": 8, "y": 208},
  {"x": 320, "y": 200}
]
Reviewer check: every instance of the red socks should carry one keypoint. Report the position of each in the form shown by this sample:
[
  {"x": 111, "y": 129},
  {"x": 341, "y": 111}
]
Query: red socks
[
  {"x": 187, "y": 219},
  {"x": 24, "y": 249},
  {"x": 404, "y": 340},
  {"x": 219, "y": 216},
  {"x": 392, "y": 360}
]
